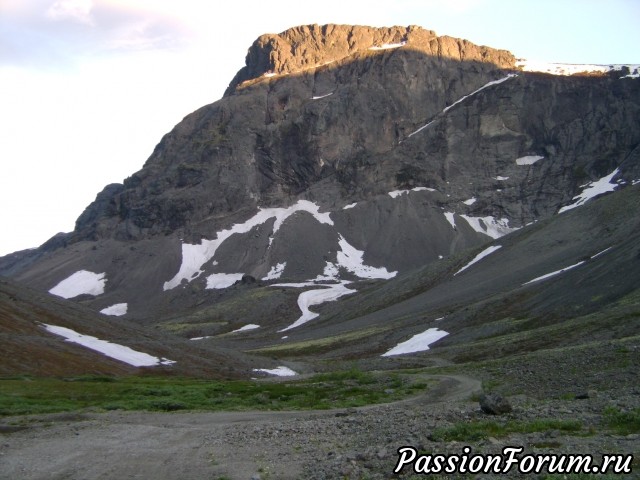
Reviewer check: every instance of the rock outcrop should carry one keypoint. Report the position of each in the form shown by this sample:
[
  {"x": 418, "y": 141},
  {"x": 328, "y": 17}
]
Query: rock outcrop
[{"x": 343, "y": 153}]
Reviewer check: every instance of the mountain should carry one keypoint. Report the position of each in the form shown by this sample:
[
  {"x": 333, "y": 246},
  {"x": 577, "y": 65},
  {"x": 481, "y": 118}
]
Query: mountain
[{"x": 362, "y": 168}]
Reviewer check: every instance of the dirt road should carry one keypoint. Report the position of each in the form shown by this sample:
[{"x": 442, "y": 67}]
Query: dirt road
[{"x": 231, "y": 445}]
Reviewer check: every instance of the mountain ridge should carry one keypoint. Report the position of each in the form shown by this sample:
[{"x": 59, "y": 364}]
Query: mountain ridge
[{"x": 382, "y": 161}]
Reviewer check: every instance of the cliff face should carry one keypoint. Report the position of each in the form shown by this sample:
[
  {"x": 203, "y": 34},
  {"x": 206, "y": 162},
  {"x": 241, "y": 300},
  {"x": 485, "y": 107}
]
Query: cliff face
[
  {"x": 311, "y": 46},
  {"x": 440, "y": 144}
]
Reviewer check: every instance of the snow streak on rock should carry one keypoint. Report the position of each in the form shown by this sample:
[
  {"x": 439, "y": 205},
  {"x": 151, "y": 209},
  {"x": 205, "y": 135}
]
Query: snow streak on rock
[
  {"x": 82, "y": 282},
  {"x": 462, "y": 99},
  {"x": 315, "y": 297},
  {"x": 113, "y": 350},
  {"x": 388, "y": 46},
  {"x": 494, "y": 227},
  {"x": 553, "y": 274},
  {"x": 275, "y": 272},
  {"x": 351, "y": 259},
  {"x": 479, "y": 257},
  {"x": 450, "y": 218},
  {"x": 528, "y": 160},
  {"x": 417, "y": 343},
  {"x": 592, "y": 190},
  {"x": 250, "y": 326},
  {"x": 281, "y": 371},
  {"x": 195, "y": 256},
  {"x": 397, "y": 193}
]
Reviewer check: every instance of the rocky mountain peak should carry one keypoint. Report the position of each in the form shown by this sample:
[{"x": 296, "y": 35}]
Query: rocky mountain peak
[{"x": 309, "y": 46}]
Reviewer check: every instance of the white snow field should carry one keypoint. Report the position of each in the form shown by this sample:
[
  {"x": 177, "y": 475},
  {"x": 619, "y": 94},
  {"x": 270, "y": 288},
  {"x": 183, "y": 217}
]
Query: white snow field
[
  {"x": 418, "y": 343},
  {"x": 80, "y": 283},
  {"x": 494, "y": 227},
  {"x": 113, "y": 350},
  {"x": 194, "y": 256},
  {"x": 116, "y": 310},
  {"x": 275, "y": 272},
  {"x": 316, "y": 296},
  {"x": 573, "y": 68},
  {"x": 280, "y": 371},
  {"x": 222, "y": 280},
  {"x": 351, "y": 259}
]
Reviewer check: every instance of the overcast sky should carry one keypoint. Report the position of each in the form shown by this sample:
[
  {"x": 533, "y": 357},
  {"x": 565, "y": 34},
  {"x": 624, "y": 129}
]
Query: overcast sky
[{"x": 88, "y": 87}]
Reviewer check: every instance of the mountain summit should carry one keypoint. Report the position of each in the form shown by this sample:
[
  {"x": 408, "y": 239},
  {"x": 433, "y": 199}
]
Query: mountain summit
[{"x": 340, "y": 157}]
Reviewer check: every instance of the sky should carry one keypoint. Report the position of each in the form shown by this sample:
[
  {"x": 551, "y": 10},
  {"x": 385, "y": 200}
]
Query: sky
[{"x": 89, "y": 87}]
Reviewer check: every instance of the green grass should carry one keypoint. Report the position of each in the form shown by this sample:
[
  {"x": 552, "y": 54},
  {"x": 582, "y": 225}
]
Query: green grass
[
  {"x": 332, "y": 390},
  {"x": 483, "y": 429},
  {"x": 623, "y": 423}
]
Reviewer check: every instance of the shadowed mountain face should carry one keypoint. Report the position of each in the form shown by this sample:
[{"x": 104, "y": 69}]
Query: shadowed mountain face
[{"x": 341, "y": 154}]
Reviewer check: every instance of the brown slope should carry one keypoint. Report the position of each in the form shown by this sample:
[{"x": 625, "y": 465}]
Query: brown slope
[{"x": 28, "y": 349}]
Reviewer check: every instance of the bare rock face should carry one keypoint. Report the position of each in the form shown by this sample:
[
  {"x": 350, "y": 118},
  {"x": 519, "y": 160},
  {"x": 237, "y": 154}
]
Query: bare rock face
[
  {"x": 411, "y": 147},
  {"x": 311, "y": 46}
]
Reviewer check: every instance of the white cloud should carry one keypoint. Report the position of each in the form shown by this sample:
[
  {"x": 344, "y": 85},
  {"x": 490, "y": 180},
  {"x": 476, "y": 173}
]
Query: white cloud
[{"x": 76, "y": 10}]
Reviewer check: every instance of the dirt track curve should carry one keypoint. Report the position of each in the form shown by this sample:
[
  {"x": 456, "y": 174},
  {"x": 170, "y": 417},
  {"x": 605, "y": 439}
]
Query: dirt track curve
[{"x": 164, "y": 446}]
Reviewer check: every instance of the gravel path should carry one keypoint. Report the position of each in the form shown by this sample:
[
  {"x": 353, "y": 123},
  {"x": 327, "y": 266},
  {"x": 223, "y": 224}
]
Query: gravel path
[{"x": 338, "y": 444}]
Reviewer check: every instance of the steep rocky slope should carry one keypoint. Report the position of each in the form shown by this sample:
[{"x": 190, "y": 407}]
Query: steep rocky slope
[{"x": 340, "y": 154}]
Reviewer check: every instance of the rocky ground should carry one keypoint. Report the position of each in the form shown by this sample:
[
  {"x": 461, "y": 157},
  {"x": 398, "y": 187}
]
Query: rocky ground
[{"x": 566, "y": 415}]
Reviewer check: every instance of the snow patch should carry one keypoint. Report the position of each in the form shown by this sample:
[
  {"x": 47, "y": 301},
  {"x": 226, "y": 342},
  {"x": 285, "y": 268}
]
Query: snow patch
[
  {"x": 200, "y": 338},
  {"x": 501, "y": 179},
  {"x": 387, "y": 46},
  {"x": 592, "y": 190},
  {"x": 450, "y": 219},
  {"x": 330, "y": 273},
  {"x": 250, "y": 326},
  {"x": 417, "y": 343},
  {"x": 471, "y": 201},
  {"x": 316, "y": 297},
  {"x": 321, "y": 96},
  {"x": 351, "y": 205},
  {"x": 494, "y": 227},
  {"x": 397, "y": 193},
  {"x": 553, "y": 274},
  {"x": 222, "y": 280},
  {"x": 480, "y": 256},
  {"x": 351, "y": 259},
  {"x": 113, "y": 350},
  {"x": 80, "y": 283},
  {"x": 275, "y": 272},
  {"x": 116, "y": 310},
  {"x": 278, "y": 371},
  {"x": 528, "y": 160},
  {"x": 195, "y": 256},
  {"x": 573, "y": 68}
]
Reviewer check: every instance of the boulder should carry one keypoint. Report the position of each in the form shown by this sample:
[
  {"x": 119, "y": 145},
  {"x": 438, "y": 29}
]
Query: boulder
[{"x": 494, "y": 404}]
